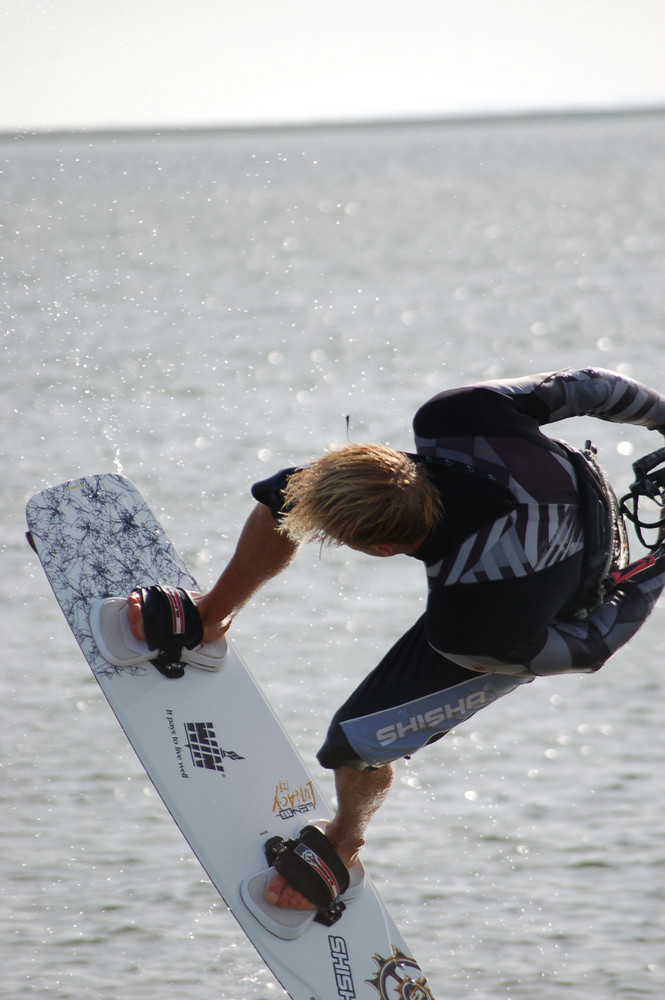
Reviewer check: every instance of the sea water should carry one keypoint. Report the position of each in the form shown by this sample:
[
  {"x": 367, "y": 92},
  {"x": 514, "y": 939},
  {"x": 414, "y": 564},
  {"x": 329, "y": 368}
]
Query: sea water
[{"x": 198, "y": 310}]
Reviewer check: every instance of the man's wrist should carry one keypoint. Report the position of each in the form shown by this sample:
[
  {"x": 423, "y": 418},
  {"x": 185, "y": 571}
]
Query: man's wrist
[{"x": 214, "y": 622}]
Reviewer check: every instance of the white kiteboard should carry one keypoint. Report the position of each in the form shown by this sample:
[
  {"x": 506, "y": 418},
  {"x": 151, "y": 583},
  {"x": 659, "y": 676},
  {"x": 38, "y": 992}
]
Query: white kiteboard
[{"x": 214, "y": 750}]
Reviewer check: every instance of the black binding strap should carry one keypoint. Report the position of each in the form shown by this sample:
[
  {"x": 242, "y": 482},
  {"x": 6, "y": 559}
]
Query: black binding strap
[
  {"x": 312, "y": 867},
  {"x": 171, "y": 623}
]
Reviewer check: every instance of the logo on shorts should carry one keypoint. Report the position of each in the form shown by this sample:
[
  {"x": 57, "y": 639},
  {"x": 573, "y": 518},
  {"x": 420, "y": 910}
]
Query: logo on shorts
[{"x": 436, "y": 719}]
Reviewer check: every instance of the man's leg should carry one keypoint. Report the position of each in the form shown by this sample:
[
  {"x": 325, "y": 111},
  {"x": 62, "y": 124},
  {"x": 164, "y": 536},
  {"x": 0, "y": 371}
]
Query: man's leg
[
  {"x": 363, "y": 774},
  {"x": 359, "y": 795}
]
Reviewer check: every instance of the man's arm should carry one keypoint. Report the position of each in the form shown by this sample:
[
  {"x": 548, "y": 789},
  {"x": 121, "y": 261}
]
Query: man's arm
[
  {"x": 262, "y": 552},
  {"x": 594, "y": 392}
]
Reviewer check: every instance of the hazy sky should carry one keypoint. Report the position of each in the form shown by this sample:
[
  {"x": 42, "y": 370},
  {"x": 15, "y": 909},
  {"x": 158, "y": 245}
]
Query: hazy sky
[{"x": 102, "y": 63}]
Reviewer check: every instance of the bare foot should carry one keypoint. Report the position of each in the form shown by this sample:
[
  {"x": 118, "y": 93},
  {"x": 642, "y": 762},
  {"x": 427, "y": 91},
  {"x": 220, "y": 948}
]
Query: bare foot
[
  {"x": 279, "y": 893},
  {"x": 135, "y": 615}
]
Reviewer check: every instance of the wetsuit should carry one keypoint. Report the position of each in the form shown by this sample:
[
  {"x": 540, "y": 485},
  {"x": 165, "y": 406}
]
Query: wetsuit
[{"x": 502, "y": 565}]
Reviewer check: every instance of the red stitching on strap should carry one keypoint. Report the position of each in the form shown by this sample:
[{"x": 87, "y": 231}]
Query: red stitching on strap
[
  {"x": 320, "y": 867},
  {"x": 177, "y": 611}
]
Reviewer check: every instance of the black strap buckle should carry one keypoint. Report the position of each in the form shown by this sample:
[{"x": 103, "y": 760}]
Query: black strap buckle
[{"x": 331, "y": 914}]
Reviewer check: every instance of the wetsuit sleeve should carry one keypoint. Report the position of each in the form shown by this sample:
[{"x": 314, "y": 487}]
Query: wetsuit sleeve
[
  {"x": 594, "y": 392},
  {"x": 271, "y": 491},
  {"x": 583, "y": 647}
]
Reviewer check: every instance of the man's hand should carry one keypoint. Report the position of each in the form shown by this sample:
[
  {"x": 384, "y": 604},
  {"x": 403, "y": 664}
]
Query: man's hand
[{"x": 211, "y": 630}]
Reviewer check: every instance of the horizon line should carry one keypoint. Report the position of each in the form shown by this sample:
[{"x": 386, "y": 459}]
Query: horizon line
[{"x": 463, "y": 118}]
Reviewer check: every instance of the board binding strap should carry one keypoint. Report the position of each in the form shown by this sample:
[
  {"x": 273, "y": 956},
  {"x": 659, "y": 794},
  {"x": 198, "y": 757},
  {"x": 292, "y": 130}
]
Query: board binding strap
[
  {"x": 319, "y": 873},
  {"x": 173, "y": 632}
]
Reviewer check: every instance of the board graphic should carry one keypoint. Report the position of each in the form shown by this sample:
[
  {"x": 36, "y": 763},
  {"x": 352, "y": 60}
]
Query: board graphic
[{"x": 212, "y": 746}]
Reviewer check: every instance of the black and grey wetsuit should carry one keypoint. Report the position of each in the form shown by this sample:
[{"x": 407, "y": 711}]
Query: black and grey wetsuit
[
  {"x": 502, "y": 565},
  {"x": 513, "y": 574}
]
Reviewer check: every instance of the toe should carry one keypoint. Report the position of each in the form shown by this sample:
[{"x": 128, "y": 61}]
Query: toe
[
  {"x": 279, "y": 893},
  {"x": 135, "y": 615},
  {"x": 273, "y": 890}
]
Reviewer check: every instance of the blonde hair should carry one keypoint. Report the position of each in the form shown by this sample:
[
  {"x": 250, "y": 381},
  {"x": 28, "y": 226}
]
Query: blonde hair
[{"x": 360, "y": 495}]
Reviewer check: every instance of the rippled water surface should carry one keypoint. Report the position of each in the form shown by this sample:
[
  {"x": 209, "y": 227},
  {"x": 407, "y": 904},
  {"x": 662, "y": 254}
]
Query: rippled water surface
[{"x": 199, "y": 310}]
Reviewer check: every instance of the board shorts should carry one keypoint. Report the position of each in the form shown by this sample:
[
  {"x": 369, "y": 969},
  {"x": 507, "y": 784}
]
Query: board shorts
[{"x": 412, "y": 698}]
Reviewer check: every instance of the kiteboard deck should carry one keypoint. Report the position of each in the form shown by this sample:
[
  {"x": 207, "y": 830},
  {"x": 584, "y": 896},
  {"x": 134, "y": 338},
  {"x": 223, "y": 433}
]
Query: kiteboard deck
[{"x": 211, "y": 744}]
